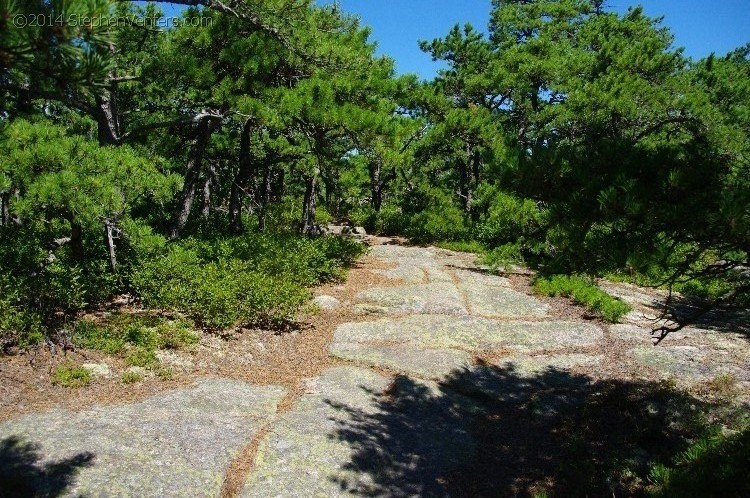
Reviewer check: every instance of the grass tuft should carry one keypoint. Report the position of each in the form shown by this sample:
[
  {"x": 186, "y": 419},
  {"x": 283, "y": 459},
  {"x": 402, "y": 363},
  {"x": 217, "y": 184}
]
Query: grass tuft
[
  {"x": 131, "y": 377},
  {"x": 142, "y": 357},
  {"x": 471, "y": 246},
  {"x": 584, "y": 292},
  {"x": 72, "y": 376}
]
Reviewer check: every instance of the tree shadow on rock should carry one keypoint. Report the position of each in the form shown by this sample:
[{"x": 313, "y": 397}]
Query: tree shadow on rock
[
  {"x": 405, "y": 445},
  {"x": 23, "y": 475},
  {"x": 491, "y": 431},
  {"x": 688, "y": 311}
]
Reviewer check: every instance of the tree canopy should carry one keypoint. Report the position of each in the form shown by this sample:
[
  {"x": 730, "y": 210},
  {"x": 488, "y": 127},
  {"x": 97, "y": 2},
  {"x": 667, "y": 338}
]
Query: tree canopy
[{"x": 570, "y": 137}]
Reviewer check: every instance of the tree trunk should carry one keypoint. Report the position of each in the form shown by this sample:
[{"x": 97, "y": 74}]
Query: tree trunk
[
  {"x": 464, "y": 181},
  {"x": 76, "y": 242},
  {"x": 208, "y": 181},
  {"x": 376, "y": 184},
  {"x": 4, "y": 210},
  {"x": 107, "y": 119},
  {"x": 206, "y": 127},
  {"x": 307, "y": 227},
  {"x": 241, "y": 180},
  {"x": 109, "y": 241},
  {"x": 264, "y": 196},
  {"x": 107, "y": 113},
  {"x": 477, "y": 168}
]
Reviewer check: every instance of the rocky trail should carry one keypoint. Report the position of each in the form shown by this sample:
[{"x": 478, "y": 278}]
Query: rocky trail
[{"x": 433, "y": 378}]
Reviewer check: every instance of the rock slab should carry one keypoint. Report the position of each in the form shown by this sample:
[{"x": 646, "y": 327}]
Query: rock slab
[
  {"x": 435, "y": 346},
  {"x": 178, "y": 443},
  {"x": 357, "y": 433}
]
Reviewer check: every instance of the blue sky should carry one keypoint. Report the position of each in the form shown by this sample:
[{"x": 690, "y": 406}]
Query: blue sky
[{"x": 701, "y": 26}]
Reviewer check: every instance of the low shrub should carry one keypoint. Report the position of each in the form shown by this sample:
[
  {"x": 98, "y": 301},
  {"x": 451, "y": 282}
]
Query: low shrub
[
  {"x": 390, "y": 220},
  {"x": 72, "y": 376},
  {"x": 219, "y": 294},
  {"x": 131, "y": 377},
  {"x": 39, "y": 289},
  {"x": 123, "y": 330},
  {"x": 506, "y": 218},
  {"x": 165, "y": 373},
  {"x": 88, "y": 334},
  {"x": 471, "y": 246},
  {"x": 137, "y": 336},
  {"x": 253, "y": 279},
  {"x": 364, "y": 216},
  {"x": 504, "y": 256},
  {"x": 584, "y": 292},
  {"x": 18, "y": 325},
  {"x": 175, "y": 335},
  {"x": 715, "y": 465},
  {"x": 141, "y": 357},
  {"x": 722, "y": 388},
  {"x": 657, "y": 269},
  {"x": 431, "y": 225}
]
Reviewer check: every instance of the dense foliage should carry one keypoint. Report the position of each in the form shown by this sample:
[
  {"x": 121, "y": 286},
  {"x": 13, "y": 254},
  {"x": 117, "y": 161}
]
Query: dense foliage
[
  {"x": 189, "y": 169},
  {"x": 149, "y": 160}
]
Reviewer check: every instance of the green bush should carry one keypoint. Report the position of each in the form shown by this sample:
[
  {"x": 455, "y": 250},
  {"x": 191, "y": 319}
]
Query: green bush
[
  {"x": 437, "y": 224},
  {"x": 364, "y": 216},
  {"x": 584, "y": 292},
  {"x": 88, "y": 335},
  {"x": 142, "y": 357},
  {"x": 229, "y": 281},
  {"x": 175, "y": 335},
  {"x": 323, "y": 216},
  {"x": 715, "y": 465},
  {"x": 37, "y": 287},
  {"x": 18, "y": 325},
  {"x": 506, "y": 218},
  {"x": 504, "y": 256},
  {"x": 471, "y": 246},
  {"x": 390, "y": 220},
  {"x": 69, "y": 375},
  {"x": 123, "y": 330},
  {"x": 217, "y": 294}
]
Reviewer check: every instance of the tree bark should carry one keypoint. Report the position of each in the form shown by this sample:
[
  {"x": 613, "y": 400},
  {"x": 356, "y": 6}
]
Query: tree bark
[
  {"x": 208, "y": 182},
  {"x": 107, "y": 118},
  {"x": 109, "y": 241},
  {"x": 241, "y": 180},
  {"x": 464, "y": 181},
  {"x": 307, "y": 226},
  {"x": 205, "y": 128},
  {"x": 264, "y": 196}
]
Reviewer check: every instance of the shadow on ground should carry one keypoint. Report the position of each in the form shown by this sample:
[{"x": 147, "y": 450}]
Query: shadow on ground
[
  {"x": 490, "y": 431},
  {"x": 699, "y": 313},
  {"x": 23, "y": 475}
]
